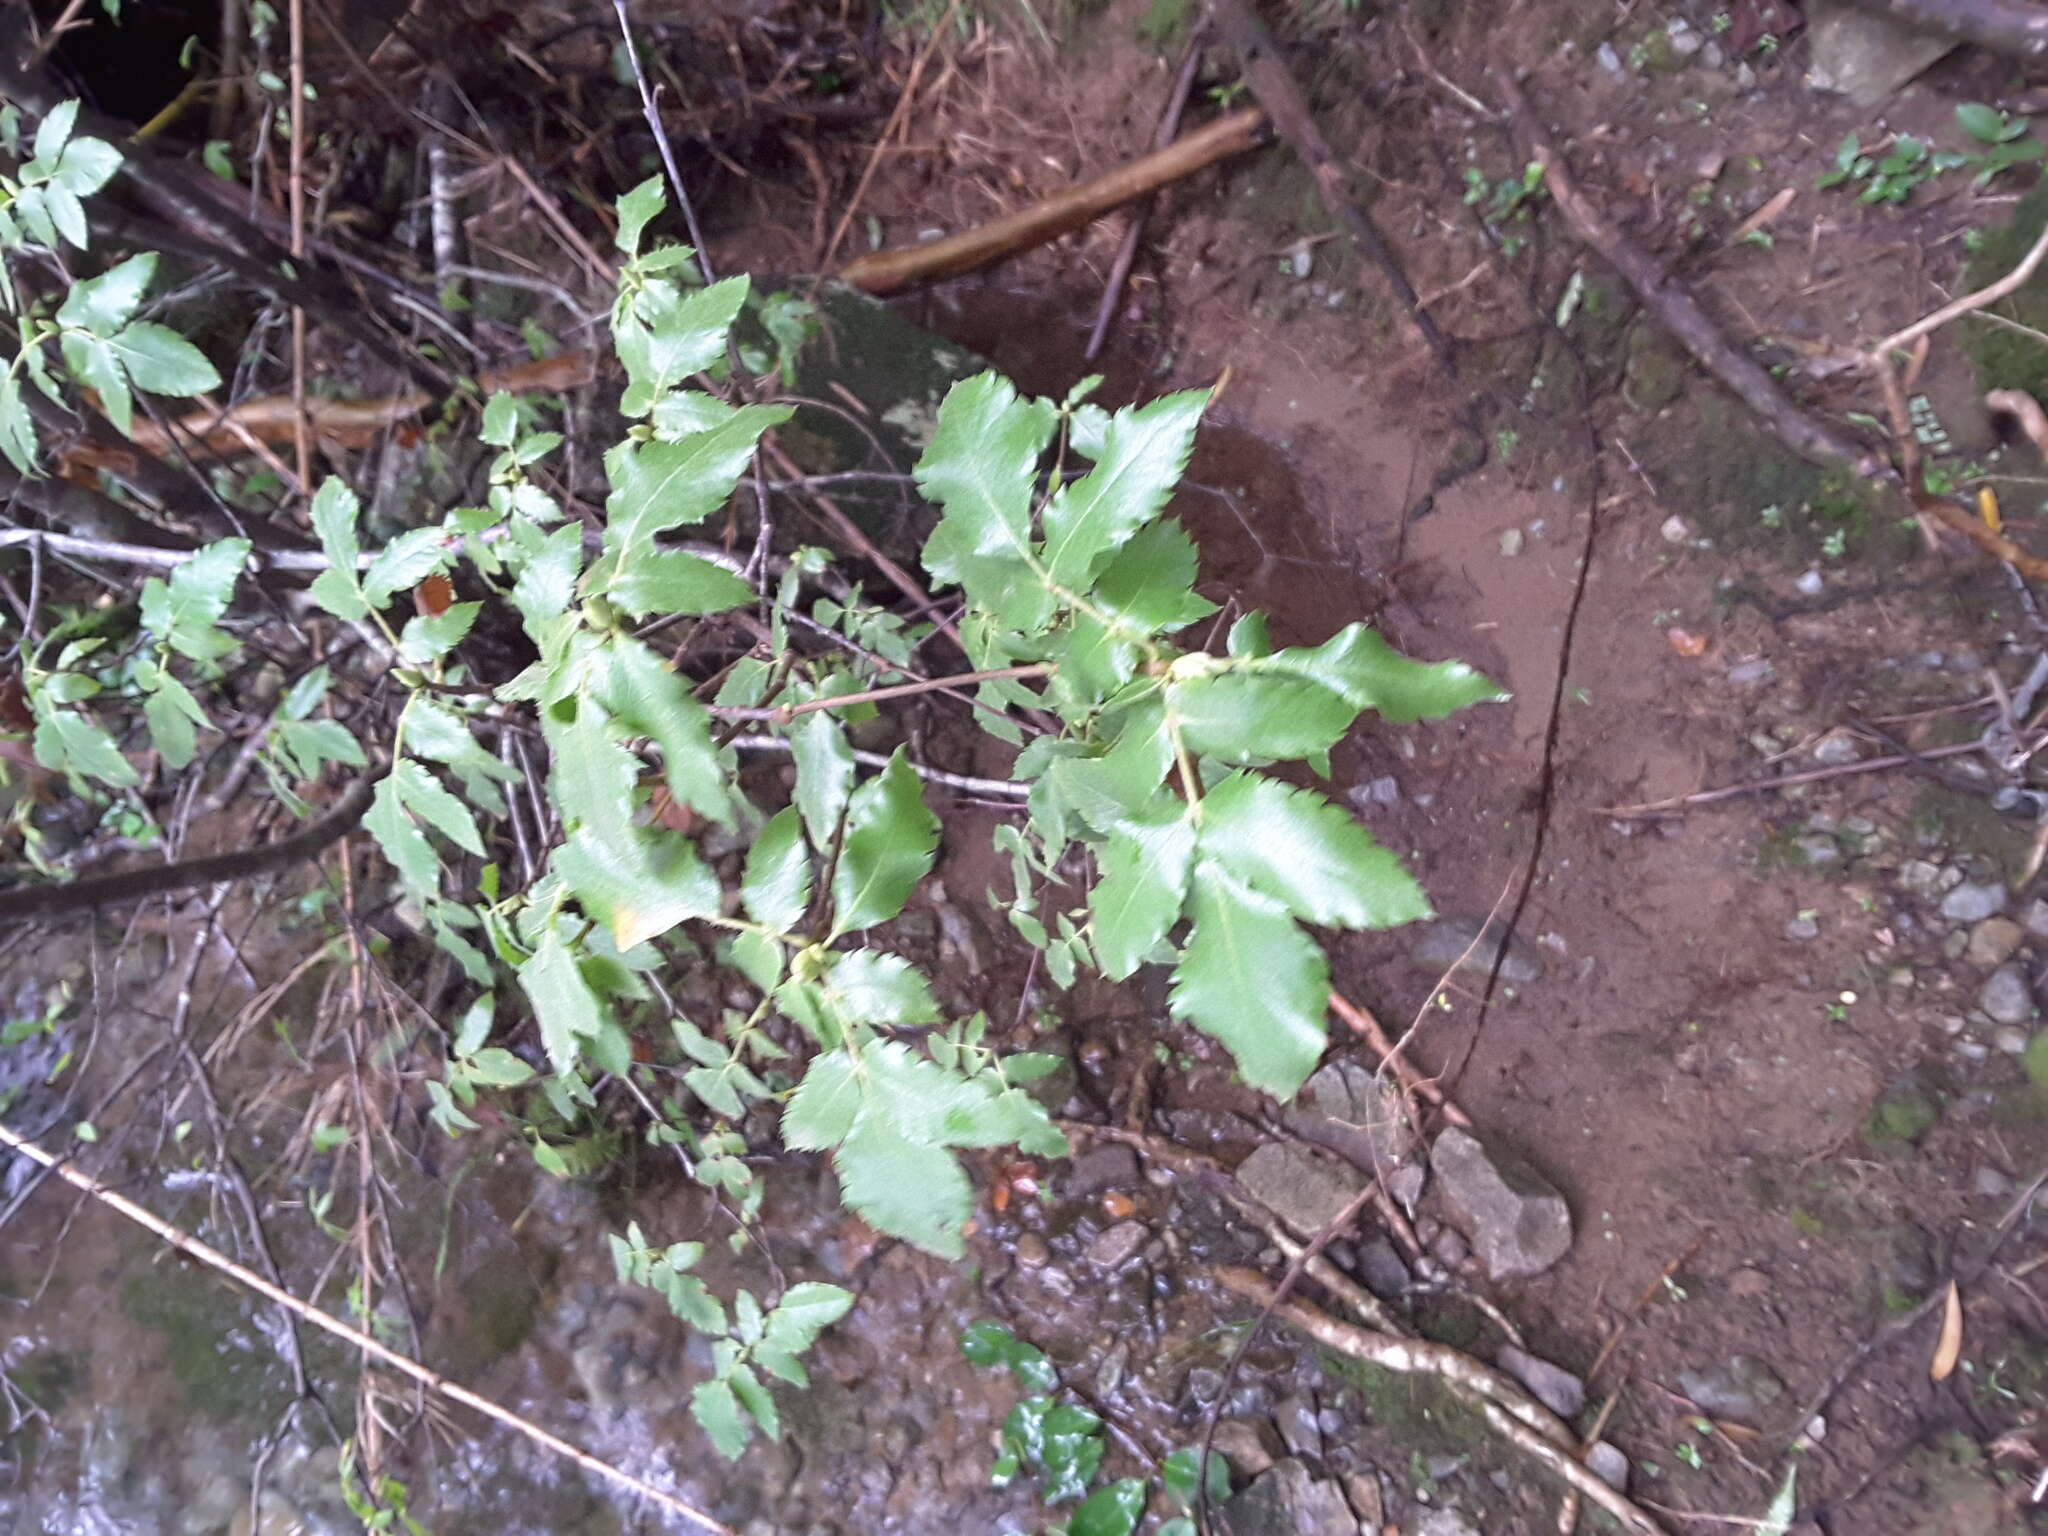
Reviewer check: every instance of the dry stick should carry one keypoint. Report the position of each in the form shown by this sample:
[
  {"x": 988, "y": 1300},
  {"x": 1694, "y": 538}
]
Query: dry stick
[
  {"x": 36, "y": 903},
  {"x": 213, "y": 1258},
  {"x": 1991, "y": 293},
  {"x": 1509, "y": 1410},
  {"x": 1765, "y": 786},
  {"x": 889, "y": 271},
  {"x": 1363, "y": 1023},
  {"x": 1274, "y": 89},
  {"x": 303, "y": 432},
  {"x": 782, "y": 714},
  {"x": 1127, "y": 253},
  {"x": 668, "y": 154},
  {"x": 896, "y": 116},
  {"x": 1805, "y": 433}
]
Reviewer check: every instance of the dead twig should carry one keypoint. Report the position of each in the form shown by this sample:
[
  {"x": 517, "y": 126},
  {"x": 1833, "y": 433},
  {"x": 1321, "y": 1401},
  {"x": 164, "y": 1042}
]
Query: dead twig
[
  {"x": 661, "y": 143},
  {"x": 214, "y": 1259},
  {"x": 1765, "y": 786},
  {"x": 890, "y": 271},
  {"x": 1127, "y": 253}
]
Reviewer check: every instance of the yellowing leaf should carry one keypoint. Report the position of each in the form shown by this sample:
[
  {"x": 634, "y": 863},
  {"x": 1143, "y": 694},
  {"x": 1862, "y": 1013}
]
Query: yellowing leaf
[{"x": 1948, "y": 1348}]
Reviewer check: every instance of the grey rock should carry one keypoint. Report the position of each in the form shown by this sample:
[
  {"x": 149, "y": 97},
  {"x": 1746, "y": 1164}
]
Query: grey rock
[
  {"x": 1810, "y": 584},
  {"x": 1109, "y": 1166},
  {"x": 1445, "y": 1522},
  {"x": 1609, "y": 1465},
  {"x": 1285, "y": 1500},
  {"x": 1446, "y": 943},
  {"x": 1032, "y": 1251},
  {"x": 1685, "y": 40},
  {"x": 1973, "y": 901},
  {"x": 1741, "y": 1388},
  {"x": 1746, "y": 673},
  {"x": 2011, "y": 1039},
  {"x": 1608, "y": 59},
  {"x": 2006, "y": 998},
  {"x": 1119, "y": 1245},
  {"x": 1864, "y": 56},
  {"x": 1367, "y": 1502},
  {"x": 1249, "y": 1445},
  {"x": 1818, "y": 849},
  {"x": 1837, "y": 748},
  {"x": 1296, "y": 1420},
  {"x": 1305, "y": 1189},
  {"x": 1405, "y": 1185},
  {"x": 1380, "y": 1267},
  {"x": 1921, "y": 878},
  {"x": 1518, "y": 1222},
  {"x": 2035, "y": 918},
  {"x": 1994, "y": 941},
  {"x": 1991, "y": 1183},
  {"x": 1450, "y": 1248},
  {"x": 1553, "y": 1386},
  {"x": 1802, "y": 928},
  {"x": 1355, "y": 1112},
  {"x": 1384, "y": 790}
]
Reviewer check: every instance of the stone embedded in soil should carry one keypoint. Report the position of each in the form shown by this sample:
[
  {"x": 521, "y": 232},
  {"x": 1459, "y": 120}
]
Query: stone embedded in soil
[
  {"x": 2011, "y": 1039},
  {"x": 1920, "y": 877},
  {"x": 2006, "y": 998},
  {"x": 1445, "y": 1522},
  {"x": 1552, "y": 1385},
  {"x": 1119, "y": 1245},
  {"x": 1837, "y": 748},
  {"x": 1032, "y": 1251},
  {"x": 1973, "y": 901},
  {"x": 1802, "y": 928},
  {"x": 1994, "y": 941},
  {"x": 1459, "y": 941},
  {"x": 1111, "y": 1166},
  {"x": 1296, "y": 1420},
  {"x": 1865, "y": 57},
  {"x": 1305, "y": 1189},
  {"x": 1741, "y": 1388},
  {"x": 1518, "y": 1222},
  {"x": 1285, "y": 1500},
  {"x": 1609, "y": 1465},
  {"x": 1355, "y": 1112},
  {"x": 1382, "y": 1269},
  {"x": 2035, "y": 918},
  {"x": 1249, "y": 1445}
]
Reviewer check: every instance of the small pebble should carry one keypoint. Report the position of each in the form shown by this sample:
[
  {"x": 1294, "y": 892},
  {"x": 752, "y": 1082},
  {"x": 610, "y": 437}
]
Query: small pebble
[
  {"x": 1802, "y": 928},
  {"x": 1993, "y": 941},
  {"x": 1675, "y": 529},
  {"x": 1607, "y": 58},
  {"x": 1837, "y": 748},
  {"x": 1031, "y": 1251},
  {"x": 1745, "y": 673},
  {"x": 1973, "y": 901},
  {"x": 2011, "y": 1039},
  {"x": 1810, "y": 585}
]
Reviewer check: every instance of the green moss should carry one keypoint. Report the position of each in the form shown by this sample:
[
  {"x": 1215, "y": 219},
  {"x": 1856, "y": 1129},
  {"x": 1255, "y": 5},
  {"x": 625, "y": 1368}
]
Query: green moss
[
  {"x": 1165, "y": 21},
  {"x": 1899, "y": 1119},
  {"x": 2005, "y": 358},
  {"x": 216, "y": 1353},
  {"x": 1417, "y": 1411}
]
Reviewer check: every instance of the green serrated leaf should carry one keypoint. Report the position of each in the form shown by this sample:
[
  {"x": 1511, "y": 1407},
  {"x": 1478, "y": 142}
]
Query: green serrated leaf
[
  {"x": 68, "y": 742},
  {"x": 647, "y": 697},
  {"x": 806, "y": 1310},
  {"x": 423, "y": 795},
  {"x": 1141, "y": 458},
  {"x": 636, "y": 209},
  {"x": 673, "y": 581},
  {"x": 402, "y": 841},
  {"x": 95, "y": 363},
  {"x": 405, "y": 562},
  {"x": 1137, "y": 898},
  {"x": 660, "y": 486},
  {"x": 172, "y": 713},
  {"x": 908, "y": 1190},
  {"x": 754, "y": 1397},
  {"x": 717, "y": 1409},
  {"x": 1367, "y": 673},
  {"x": 567, "y": 1010},
  {"x": 428, "y": 637},
  {"x": 822, "y": 1110},
  {"x": 1243, "y": 716},
  {"x": 777, "y": 884},
  {"x": 674, "y": 337},
  {"x": 54, "y": 131},
  {"x": 1252, "y": 979},
  {"x": 184, "y": 611},
  {"x": 888, "y": 848},
  {"x": 161, "y": 361},
  {"x": 103, "y": 304},
  {"x": 869, "y": 987},
  {"x": 86, "y": 165},
  {"x": 1295, "y": 846},
  {"x": 824, "y": 773}
]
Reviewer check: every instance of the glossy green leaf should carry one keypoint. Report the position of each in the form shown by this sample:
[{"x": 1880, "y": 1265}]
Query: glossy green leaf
[
  {"x": 1248, "y": 717},
  {"x": 981, "y": 464},
  {"x": 1111, "y": 1510},
  {"x": 1361, "y": 668},
  {"x": 672, "y": 581},
  {"x": 674, "y": 337},
  {"x": 890, "y": 839},
  {"x": 806, "y": 1310},
  {"x": 86, "y": 165},
  {"x": 1150, "y": 582},
  {"x": 185, "y": 610},
  {"x": 96, "y": 363},
  {"x": 1295, "y": 846},
  {"x": 172, "y": 713},
  {"x": 1252, "y": 979},
  {"x": 405, "y": 562},
  {"x": 54, "y": 131},
  {"x": 103, "y": 304},
  {"x": 755, "y": 1398},
  {"x": 660, "y": 486},
  {"x": 638, "y": 883},
  {"x": 777, "y": 883},
  {"x": 1137, "y": 897},
  {"x": 636, "y": 209},
  {"x": 1179, "y": 1473},
  {"x": 496, "y": 1067},
  {"x": 1142, "y": 455}
]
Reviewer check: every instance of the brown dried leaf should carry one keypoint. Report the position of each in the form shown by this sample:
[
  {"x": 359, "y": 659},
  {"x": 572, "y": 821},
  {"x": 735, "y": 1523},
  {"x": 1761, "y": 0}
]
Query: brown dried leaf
[{"x": 1948, "y": 1349}]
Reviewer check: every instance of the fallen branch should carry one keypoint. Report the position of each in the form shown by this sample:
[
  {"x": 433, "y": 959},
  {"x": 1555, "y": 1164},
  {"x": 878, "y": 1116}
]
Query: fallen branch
[
  {"x": 2015, "y": 27},
  {"x": 1765, "y": 786},
  {"x": 1273, "y": 87},
  {"x": 214, "y": 1259},
  {"x": 36, "y": 903},
  {"x": 1509, "y": 1410},
  {"x": 1806, "y": 434},
  {"x": 1368, "y": 1028},
  {"x": 891, "y": 271}
]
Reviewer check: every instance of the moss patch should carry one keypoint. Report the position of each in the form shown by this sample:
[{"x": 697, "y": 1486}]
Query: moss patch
[{"x": 2006, "y": 359}]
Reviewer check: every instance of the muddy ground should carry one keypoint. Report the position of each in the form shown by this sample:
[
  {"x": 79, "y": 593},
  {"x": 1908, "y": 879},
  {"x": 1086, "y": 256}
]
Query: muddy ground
[{"x": 1773, "y": 1050}]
